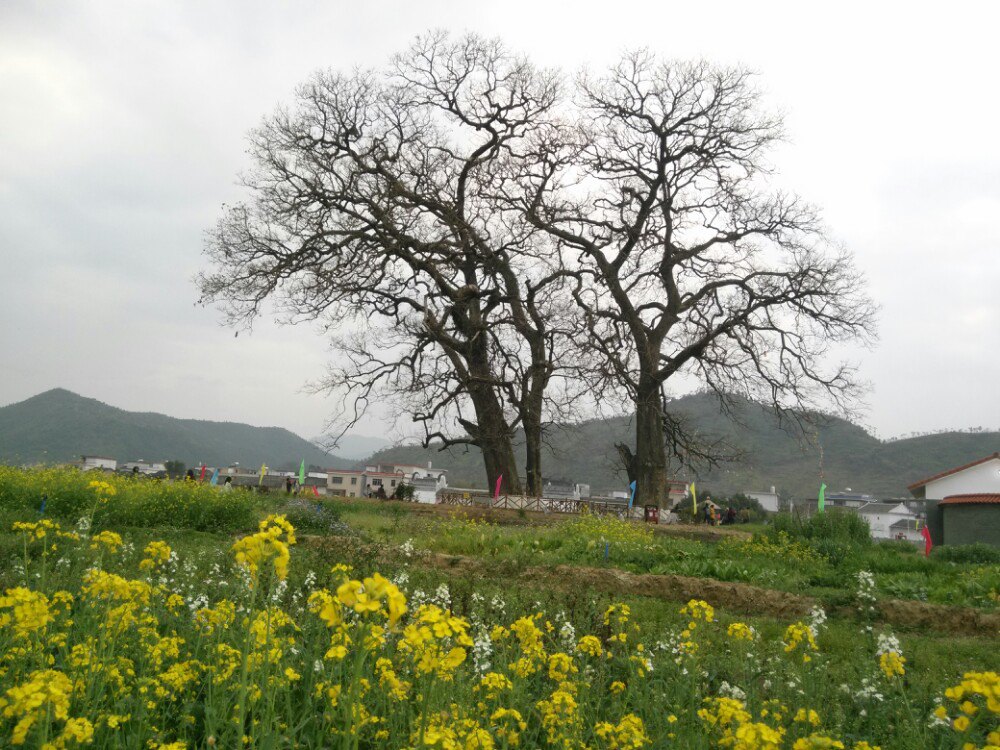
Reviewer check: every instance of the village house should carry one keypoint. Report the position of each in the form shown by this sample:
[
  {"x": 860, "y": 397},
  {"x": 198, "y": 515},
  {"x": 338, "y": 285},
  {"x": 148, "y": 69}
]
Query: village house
[
  {"x": 963, "y": 504},
  {"x": 102, "y": 463},
  {"x": 769, "y": 501},
  {"x": 891, "y": 521},
  {"x": 143, "y": 467},
  {"x": 345, "y": 483},
  {"x": 413, "y": 472}
]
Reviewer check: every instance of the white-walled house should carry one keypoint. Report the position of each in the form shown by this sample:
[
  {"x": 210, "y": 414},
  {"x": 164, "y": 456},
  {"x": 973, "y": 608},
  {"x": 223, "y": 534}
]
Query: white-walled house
[
  {"x": 412, "y": 472},
  {"x": 963, "y": 504},
  {"x": 890, "y": 520},
  {"x": 982, "y": 476},
  {"x": 144, "y": 467},
  {"x": 102, "y": 463},
  {"x": 768, "y": 500}
]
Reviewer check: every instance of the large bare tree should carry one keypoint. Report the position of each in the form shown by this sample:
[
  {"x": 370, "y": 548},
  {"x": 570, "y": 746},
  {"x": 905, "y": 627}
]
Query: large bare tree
[
  {"x": 688, "y": 267},
  {"x": 373, "y": 210}
]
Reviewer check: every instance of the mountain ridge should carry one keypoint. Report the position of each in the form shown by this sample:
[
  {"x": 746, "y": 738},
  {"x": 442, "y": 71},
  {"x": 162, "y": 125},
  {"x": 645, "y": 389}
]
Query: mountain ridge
[
  {"x": 851, "y": 458},
  {"x": 58, "y": 426}
]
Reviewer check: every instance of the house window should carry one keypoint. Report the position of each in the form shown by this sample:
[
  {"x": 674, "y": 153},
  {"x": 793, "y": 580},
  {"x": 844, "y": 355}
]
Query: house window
[
  {"x": 392, "y": 483},
  {"x": 376, "y": 481},
  {"x": 354, "y": 480},
  {"x": 337, "y": 480}
]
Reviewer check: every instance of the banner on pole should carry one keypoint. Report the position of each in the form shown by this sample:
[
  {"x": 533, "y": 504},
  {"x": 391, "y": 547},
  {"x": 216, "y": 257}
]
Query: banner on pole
[{"x": 928, "y": 544}]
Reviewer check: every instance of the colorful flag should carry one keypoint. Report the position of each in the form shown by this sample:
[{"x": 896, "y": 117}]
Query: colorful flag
[
  {"x": 928, "y": 544},
  {"x": 202, "y": 477},
  {"x": 496, "y": 490},
  {"x": 631, "y": 498},
  {"x": 215, "y": 477},
  {"x": 302, "y": 472},
  {"x": 822, "y": 497},
  {"x": 694, "y": 500},
  {"x": 263, "y": 473}
]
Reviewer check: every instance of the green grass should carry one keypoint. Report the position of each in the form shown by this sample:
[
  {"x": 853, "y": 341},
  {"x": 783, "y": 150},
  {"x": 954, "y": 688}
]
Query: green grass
[{"x": 824, "y": 568}]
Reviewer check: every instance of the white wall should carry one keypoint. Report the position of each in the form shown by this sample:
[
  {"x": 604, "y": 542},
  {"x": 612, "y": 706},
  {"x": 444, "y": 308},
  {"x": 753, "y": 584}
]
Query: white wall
[
  {"x": 880, "y": 522},
  {"x": 768, "y": 500},
  {"x": 982, "y": 478},
  {"x": 98, "y": 462}
]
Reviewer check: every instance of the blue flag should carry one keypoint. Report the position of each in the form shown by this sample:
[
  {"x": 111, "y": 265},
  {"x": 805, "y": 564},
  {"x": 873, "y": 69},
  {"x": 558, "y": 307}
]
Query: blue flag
[
  {"x": 631, "y": 498},
  {"x": 215, "y": 477}
]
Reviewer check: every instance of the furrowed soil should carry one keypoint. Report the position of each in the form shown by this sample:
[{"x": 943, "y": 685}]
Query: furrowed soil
[{"x": 735, "y": 597}]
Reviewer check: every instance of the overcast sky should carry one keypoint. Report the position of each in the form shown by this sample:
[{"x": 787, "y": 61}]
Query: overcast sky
[{"x": 122, "y": 131}]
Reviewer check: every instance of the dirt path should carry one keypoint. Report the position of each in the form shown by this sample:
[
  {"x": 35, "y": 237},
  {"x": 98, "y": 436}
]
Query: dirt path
[{"x": 734, "y": 597}]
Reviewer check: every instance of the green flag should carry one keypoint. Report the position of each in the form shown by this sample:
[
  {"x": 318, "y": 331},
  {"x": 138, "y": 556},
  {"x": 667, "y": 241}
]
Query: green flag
[
  {"x": 822, "y": 497},
  {"x": 302, "y": 472}
]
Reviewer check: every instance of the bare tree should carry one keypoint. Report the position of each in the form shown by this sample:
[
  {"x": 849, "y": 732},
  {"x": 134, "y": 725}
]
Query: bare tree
[
  {"x": 372, "y": 210},
  {"x": 686, "y": 265}
]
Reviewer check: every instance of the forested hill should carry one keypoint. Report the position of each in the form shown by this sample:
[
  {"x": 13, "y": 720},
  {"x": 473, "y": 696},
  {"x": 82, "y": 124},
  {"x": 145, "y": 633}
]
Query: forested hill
[
  {"x": 58, "y": 426},
  {"x": 852, "y": 457}
]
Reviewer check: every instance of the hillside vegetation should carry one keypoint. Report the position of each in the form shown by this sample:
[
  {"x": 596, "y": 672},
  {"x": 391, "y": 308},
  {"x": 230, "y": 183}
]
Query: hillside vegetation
[
  {"x": 58, "y": 426},
  {"x": 770, "y": 454}
]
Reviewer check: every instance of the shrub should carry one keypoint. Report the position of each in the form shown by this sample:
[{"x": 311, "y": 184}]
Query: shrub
[
  {"x": 833, "y": 524},
  {"x": 132, "y": 501},
  {"x": 315, "y": 517},
  {"x": 747, "y": 508},
  {"x": 976, "y": 554}
]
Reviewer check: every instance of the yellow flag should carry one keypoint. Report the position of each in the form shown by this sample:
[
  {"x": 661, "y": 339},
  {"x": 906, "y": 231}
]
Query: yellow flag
[
  {"x": 263, "y": 472},
  {"x": 694, "y": 499}
]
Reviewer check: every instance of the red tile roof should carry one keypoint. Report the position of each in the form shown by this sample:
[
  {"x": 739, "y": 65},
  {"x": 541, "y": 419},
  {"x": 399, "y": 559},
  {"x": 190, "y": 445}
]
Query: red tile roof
[
  {"x": 957, "y": 469},
  {"x": 977, "y": 499}
]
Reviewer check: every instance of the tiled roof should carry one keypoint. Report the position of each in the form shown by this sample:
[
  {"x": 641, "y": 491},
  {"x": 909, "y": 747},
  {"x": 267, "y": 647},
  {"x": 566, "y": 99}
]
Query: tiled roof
[
  {"x": 957, "y": 469},
  {"x": 980, "y": 498}
]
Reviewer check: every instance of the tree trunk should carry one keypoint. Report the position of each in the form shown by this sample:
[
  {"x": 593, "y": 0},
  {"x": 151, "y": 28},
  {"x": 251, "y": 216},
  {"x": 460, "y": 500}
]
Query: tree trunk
[
  {"x": 532, "y": 423},
  {"x": 650, "y": 450},
  {"x": 493, "y": 436}
]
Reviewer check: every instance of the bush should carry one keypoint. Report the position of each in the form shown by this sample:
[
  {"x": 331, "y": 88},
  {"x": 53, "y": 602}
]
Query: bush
[
  {"x": 835, "y": 525},
  {"x": 315, "y": 517},
  {"x": 976, "y": 554},
  {"x": 748, "y": 510},
  {"x": 132, "y": 501}
]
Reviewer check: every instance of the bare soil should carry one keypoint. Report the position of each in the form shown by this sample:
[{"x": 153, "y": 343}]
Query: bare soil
[{"x": 734, "y": 597}]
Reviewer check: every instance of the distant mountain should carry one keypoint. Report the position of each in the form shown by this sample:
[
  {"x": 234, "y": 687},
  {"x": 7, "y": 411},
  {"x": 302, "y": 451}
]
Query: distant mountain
[
  {"x": 355, "y": 447},
  {"x": 58, "y": 426},
  {"x": 770, "y": 455}
]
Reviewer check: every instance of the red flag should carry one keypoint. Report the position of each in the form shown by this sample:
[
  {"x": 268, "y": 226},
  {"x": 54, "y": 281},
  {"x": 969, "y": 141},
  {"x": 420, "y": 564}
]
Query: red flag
[
  {"x": 496, "y": 491},
  {"x": 202, "y": 478},
  {"x": 928, "y": 545},
  {"x": 315, "y": 491}
]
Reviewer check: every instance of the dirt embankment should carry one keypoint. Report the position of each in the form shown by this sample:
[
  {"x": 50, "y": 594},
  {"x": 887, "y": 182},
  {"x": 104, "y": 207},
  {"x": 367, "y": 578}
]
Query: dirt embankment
[{"x": 734, "y": 597}]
